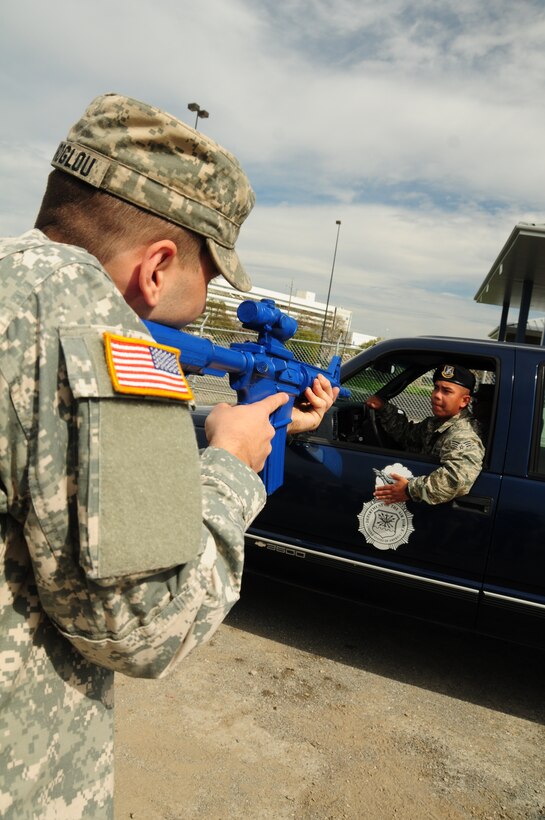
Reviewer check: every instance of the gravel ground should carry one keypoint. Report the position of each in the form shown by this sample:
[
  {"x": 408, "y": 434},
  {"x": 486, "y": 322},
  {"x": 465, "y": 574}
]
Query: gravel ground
[{"x": 306, "y": 707}]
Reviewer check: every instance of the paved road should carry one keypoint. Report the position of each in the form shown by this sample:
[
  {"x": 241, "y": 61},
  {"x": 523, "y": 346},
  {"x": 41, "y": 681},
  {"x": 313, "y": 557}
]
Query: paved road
[{"x": 307, "y": 707}]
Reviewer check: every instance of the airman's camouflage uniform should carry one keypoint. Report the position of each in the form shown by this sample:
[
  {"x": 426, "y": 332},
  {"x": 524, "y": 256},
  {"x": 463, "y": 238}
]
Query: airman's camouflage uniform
[
  {"x": 455, "y": 442},
  {"x": 120, "y": 549}
]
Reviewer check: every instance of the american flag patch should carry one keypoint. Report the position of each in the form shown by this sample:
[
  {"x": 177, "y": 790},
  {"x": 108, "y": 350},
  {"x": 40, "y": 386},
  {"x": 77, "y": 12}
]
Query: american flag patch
[{"x": 145, "y": 368}]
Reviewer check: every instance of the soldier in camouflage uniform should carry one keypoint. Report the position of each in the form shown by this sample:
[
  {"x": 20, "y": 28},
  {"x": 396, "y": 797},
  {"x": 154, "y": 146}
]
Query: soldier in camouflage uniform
[
  {"x": 451, "y": 435},
  {"x": 121, "y": 549}
]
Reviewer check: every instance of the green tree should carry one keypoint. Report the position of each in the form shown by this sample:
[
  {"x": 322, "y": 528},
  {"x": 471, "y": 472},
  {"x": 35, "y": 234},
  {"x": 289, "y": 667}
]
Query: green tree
[
  {"x": 217, "y": 316},
  {"x": 370, "y": 343}
]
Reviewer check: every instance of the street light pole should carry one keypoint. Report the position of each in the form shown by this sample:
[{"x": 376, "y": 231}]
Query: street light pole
[
  {"x": 200, "y": 112},
  {"x": 338, "y": 224}
]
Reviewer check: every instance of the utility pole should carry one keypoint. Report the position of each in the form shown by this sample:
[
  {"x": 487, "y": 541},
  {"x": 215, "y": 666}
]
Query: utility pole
[{"x": 338, "y": 224}]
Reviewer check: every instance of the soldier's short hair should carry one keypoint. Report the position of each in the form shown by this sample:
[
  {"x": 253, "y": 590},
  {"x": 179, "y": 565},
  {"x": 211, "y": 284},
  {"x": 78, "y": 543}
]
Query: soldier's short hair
[{"x": 77, "y": 214}]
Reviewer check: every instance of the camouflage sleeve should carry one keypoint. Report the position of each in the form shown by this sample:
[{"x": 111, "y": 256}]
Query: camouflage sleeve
[
  {"x": 229, "y": 508},
  {"x": 141, "y": 625},
  {"x": 461, "y": 463},
  {"x": 408, "y": 434}
]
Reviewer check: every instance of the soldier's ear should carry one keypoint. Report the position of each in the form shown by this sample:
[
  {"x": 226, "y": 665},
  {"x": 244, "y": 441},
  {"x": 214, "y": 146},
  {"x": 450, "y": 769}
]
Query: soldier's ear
[{"x": 157, "y": 259}]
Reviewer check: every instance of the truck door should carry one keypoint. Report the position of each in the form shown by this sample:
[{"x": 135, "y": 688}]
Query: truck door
[
  {"x": 429, "y": 560},
  {"x": 513, "y": 600}
]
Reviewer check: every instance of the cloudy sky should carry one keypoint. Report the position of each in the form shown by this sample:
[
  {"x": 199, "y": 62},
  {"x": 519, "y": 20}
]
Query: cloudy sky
[{"x": 420, "y": 125}]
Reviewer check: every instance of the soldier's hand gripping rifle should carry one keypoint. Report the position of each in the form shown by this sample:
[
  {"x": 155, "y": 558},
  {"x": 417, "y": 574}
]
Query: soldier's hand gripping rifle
[{"x": 256, "y": 369}]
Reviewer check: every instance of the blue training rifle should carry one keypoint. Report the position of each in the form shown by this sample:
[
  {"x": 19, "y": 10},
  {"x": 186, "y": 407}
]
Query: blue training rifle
[{"x": 256, "y": 369}]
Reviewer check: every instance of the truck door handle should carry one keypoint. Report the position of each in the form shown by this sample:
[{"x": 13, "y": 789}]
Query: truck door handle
[{"x": 478, "y": 503}]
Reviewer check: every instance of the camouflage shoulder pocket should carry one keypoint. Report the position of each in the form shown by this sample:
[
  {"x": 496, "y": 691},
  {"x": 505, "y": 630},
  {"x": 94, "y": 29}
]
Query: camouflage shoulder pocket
[{"x": 139, "y": 491}]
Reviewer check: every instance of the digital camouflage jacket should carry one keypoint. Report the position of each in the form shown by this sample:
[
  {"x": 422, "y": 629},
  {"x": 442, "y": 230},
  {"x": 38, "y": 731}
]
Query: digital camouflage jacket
[
  {"x": 121, "y": 549},
  {"x": 455, "y": 442}
]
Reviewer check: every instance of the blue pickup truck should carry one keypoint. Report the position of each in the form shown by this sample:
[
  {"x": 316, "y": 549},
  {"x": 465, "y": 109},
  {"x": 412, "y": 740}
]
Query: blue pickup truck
[{"x": 477, "y": 562}]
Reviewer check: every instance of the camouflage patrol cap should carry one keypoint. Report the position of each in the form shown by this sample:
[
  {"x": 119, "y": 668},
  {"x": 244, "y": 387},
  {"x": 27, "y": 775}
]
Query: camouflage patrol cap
[
  {"x": 149, "y": 158},
  {"x": 456, "y": 374}
]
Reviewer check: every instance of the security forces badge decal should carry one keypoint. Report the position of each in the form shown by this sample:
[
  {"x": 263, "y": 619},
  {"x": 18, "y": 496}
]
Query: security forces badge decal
[{"x": 386, "y": 526}]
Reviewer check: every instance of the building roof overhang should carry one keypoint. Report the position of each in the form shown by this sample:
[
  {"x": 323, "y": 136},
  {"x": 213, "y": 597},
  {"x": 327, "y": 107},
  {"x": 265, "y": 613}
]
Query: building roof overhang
[{"x": 522, "y": 259}]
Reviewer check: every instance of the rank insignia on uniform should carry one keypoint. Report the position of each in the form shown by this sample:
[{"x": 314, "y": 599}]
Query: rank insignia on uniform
[
  {"x": 145, "y": 368},
  {"x": 448, "y": 371}
]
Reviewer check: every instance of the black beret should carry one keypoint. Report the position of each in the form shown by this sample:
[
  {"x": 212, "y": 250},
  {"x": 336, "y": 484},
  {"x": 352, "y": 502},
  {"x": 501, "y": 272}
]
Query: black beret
[{"x": 455, "y": 374}]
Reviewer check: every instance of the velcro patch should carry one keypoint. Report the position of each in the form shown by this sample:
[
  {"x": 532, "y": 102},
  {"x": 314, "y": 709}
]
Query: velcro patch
[
  {"x": 145, "y": 368},
  {"x": 81, "y": 162}
]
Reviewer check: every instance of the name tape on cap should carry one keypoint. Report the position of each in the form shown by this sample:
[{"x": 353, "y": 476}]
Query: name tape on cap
[{"x": 81, "y": 162}]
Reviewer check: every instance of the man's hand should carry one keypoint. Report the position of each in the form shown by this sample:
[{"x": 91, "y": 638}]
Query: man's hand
[
  {"x": 309, "y": 411},
  {"x": 244, "y": 430},
  {"x": 374, "y": 402},
  {"x": 393, "y": 493}
]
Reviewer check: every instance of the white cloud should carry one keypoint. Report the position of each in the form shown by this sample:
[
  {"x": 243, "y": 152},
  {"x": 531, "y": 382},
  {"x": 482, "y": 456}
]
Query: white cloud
[{"x": 399, "y": 271}]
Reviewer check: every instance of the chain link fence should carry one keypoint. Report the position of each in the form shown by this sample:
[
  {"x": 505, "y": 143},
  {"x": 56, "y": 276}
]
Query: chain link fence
[
  {"x": 212, "y": 389},
  {"x": 415, "y": 398}
]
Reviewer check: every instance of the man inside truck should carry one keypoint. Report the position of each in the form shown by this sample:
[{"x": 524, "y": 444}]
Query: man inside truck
[{"x": 450, "y": 434}]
